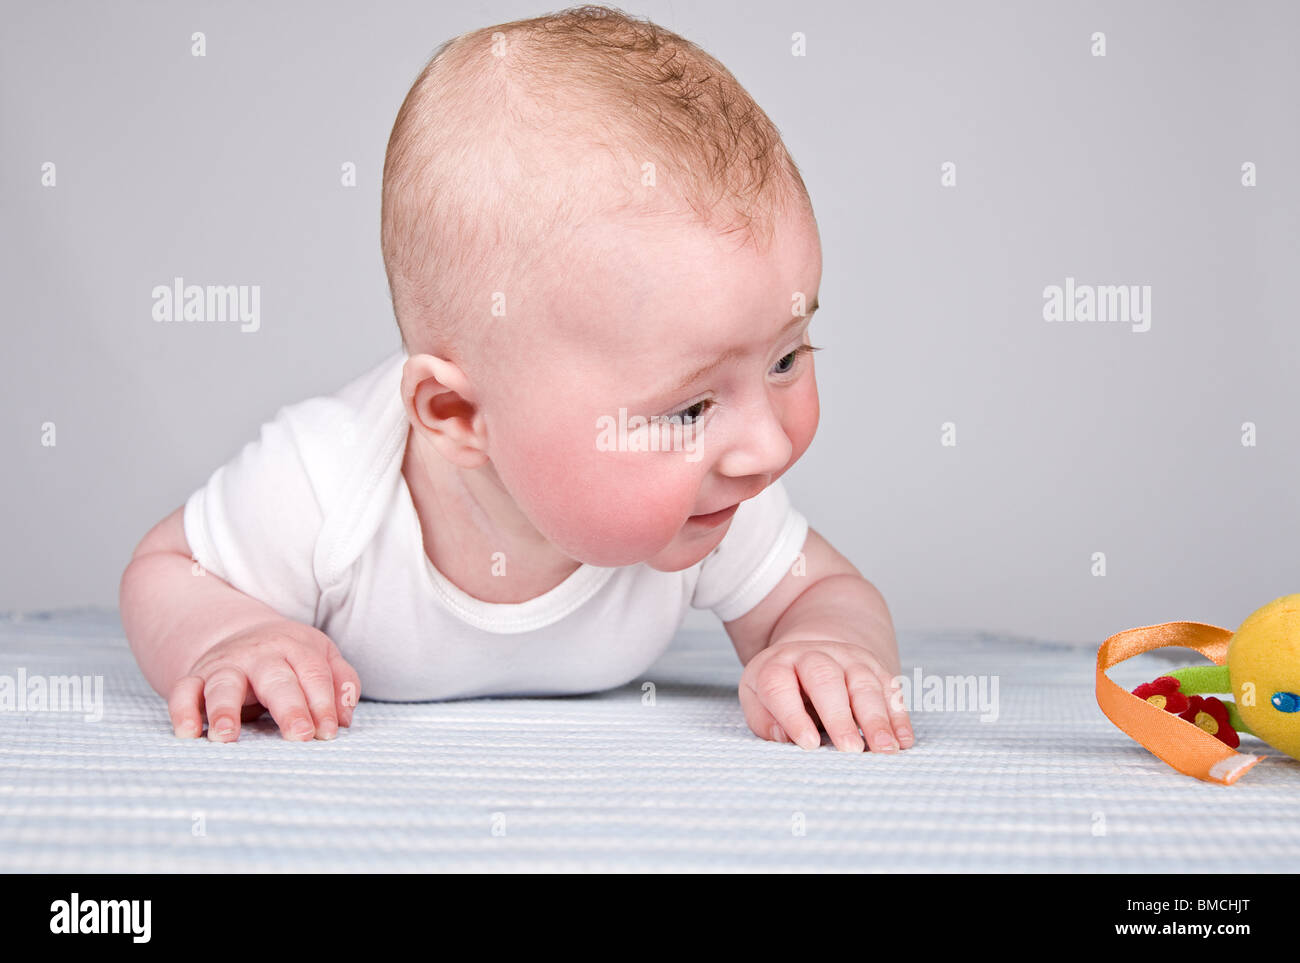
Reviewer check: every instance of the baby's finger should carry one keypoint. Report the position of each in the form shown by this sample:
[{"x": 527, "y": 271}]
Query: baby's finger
[
  {"x": 777, "y": 688},
  {"x": 823, "y": 679},
  {"x": 318, "y": 685},
  {"x": 761, "y": 722},
  {"x": 347, "y": 687},
  {"x": 185, "y": 706},
  {"x": 277, "y": 688},
  {"x": 868, "y": 700},
  {"x": 223, "y": 699},
  {"x": 898, "y": 714}
]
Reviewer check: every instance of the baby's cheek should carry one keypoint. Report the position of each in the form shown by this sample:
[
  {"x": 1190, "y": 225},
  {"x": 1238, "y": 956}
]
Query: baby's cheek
[
  {"x": 801, "y": 418},
  {"x": 607, "y": 508},
  {"x": 627, "y": 527}
]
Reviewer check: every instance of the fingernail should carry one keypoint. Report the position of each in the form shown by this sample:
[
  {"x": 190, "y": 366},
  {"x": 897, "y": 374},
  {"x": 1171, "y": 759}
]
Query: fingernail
[
  {"x": 777, "y": 734},
  {"x": 856, "y": 746},
  {"x": 187, "y": 729},
  {"x": 809, "y": 741},
  {"x": 327, "y": 731},
  {"x": 906, "y": 738},
  {"x": 887, "y": 743},
  {"x": 225, "y": 726},
  {"x": 303, "y": 728}
]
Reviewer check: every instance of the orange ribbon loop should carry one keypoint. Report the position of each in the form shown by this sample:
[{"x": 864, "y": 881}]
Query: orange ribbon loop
[{"x": 1186, "y": 747}]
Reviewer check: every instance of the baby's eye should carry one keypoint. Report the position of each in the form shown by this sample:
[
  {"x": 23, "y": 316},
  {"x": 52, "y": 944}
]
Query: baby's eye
[
  {"x": 1286, "y": 702},
  {"x": 688, "y": 416},
  {"x": 791, "y": 360}
]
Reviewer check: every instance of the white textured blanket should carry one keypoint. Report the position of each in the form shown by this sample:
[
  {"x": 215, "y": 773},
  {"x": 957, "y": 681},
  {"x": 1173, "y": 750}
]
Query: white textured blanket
[{"x": 611, "y": 782}]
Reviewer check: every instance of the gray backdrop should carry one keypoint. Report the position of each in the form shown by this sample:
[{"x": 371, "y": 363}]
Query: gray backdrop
[{"x": 1071, "y": 438}]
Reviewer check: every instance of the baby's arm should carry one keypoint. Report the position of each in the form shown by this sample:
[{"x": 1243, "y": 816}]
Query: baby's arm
[
  {"x": 204, "y": 645},
  {"x": 821, "y": 640}
]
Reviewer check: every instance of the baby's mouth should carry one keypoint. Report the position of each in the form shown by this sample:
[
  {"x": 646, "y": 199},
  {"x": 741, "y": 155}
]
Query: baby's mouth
[{"x": 714, "y": 518}]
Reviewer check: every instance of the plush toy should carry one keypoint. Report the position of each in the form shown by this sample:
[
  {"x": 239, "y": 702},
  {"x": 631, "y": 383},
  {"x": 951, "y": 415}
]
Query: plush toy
[{"x": 1177, "y": 717}]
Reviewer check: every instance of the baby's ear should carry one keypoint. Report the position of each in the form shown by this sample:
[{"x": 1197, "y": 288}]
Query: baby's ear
[{"x": 440, "y": 406}]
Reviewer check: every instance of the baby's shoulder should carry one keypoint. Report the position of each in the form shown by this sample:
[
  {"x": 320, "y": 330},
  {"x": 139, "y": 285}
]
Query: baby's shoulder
[{"x": 333, "y": 433}]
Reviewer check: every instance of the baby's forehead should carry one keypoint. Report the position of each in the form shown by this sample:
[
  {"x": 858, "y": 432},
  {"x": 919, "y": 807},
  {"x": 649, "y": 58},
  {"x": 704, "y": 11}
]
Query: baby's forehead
[
  {"x": 620, "y": 279},
  {"x": 626, "y": 281},
  {"x": 631, "y": 309}
]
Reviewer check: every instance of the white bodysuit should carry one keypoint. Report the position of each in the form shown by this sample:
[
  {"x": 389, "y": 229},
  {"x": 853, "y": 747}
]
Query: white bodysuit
[{"x": 316, "y": 520}]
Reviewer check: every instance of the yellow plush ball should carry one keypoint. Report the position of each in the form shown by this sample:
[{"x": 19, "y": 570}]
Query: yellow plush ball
[{"x": 1264, "y": 667}]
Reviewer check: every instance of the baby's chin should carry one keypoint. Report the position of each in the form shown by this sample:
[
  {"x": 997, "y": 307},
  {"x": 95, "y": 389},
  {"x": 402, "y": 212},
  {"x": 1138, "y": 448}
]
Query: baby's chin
[{"x": 685, "y": 551}]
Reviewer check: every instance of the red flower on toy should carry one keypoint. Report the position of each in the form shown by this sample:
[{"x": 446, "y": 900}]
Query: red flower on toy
[
  {"x": 1163, "y": 694},
  {"x": 1212, "y": 715}
]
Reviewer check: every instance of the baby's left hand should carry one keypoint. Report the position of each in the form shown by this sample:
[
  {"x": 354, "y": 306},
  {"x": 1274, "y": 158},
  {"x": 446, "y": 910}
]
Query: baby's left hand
[{"x": 846, "y": 685}]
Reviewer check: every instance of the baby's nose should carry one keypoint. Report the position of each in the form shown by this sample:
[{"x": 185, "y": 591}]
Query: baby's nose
[{"x": 759, "y": 446}]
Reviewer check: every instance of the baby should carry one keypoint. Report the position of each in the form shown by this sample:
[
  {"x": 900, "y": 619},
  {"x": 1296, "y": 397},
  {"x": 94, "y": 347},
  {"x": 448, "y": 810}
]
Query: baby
[{"x": 603, "y": 264}]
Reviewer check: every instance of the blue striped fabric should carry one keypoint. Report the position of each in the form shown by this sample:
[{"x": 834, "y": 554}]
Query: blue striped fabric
[{"x": 613, "y": 783}]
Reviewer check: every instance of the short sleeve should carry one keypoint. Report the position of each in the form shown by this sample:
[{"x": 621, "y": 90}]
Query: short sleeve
[
  {"x": 766, "y": 536},
  {"x": 256, "y": 522}
]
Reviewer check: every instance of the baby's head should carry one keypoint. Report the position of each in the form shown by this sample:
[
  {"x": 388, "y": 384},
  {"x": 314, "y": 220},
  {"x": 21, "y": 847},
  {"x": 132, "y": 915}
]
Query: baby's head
[{"x": 586, "y": 221}]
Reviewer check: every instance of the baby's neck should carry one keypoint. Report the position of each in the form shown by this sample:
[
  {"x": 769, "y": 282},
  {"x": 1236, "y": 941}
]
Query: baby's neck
[{"x": 467, "y": 518}]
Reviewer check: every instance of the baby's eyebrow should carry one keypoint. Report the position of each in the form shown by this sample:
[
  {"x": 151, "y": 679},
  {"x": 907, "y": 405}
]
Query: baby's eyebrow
[{"x": 732, "y": 352}]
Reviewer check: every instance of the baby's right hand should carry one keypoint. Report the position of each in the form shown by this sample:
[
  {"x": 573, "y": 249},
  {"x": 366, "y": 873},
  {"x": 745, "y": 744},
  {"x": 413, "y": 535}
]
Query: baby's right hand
[{"x": 293, "y": 670}]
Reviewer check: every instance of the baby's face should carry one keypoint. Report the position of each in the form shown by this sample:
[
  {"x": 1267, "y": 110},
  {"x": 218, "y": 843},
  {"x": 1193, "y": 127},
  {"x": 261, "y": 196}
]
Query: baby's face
[{"x": 628, "y": 326}]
